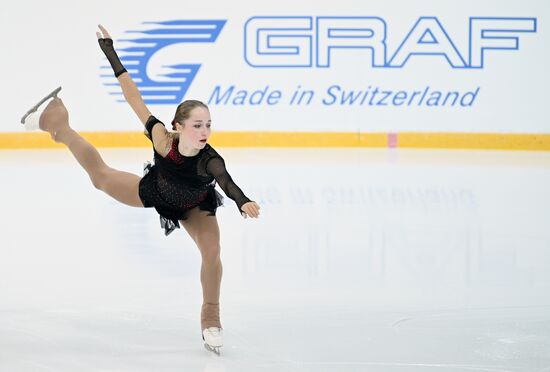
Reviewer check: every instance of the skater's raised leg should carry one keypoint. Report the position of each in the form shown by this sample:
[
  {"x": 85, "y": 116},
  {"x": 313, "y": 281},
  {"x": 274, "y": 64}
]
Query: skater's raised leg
[{"x": 122, "y": 186}]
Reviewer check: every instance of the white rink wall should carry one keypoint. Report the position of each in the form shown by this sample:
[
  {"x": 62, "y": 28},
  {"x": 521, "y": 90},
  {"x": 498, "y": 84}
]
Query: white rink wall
[{"x": 291, "y": 66}]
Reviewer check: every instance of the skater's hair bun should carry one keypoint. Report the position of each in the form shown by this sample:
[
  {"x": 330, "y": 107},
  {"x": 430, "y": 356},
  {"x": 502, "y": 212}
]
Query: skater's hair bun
[{"x": 184, "y": 111}]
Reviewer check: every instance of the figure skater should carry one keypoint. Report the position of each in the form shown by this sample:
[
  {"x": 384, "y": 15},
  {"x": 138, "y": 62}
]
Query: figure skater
[{"x": 180, "y": 184}]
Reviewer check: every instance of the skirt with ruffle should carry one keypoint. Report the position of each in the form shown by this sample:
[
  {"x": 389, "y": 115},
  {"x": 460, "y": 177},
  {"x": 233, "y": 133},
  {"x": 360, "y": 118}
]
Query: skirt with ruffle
[{"x": 208, "y": 201}]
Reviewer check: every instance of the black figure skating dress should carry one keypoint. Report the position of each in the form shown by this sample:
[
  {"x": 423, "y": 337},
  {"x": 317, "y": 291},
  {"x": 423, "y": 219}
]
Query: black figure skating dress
[{"x": 176, "y": 183}]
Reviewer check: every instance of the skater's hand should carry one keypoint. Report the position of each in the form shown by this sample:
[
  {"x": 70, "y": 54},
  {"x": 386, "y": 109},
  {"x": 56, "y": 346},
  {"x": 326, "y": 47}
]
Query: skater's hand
[{"x": 250, "y": 209}]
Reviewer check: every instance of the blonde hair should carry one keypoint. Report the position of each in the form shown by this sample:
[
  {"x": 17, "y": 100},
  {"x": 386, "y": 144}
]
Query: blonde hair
[{"x": 184, "y": 111}]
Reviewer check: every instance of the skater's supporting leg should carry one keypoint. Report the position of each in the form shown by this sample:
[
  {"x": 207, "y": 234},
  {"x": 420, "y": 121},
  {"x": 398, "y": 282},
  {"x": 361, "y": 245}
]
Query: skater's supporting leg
[
  {"x": 122, "y": 186},
  {"x": 205, "y": 232}
]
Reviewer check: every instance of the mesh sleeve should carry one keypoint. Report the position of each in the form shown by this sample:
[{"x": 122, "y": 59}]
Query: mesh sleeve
[
  {"x": 107, "y": 47},
  {"x": 216, "y": 168}
]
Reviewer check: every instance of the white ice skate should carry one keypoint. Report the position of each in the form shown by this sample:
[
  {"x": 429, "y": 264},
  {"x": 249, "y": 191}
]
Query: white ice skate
[
  {"x": 29, "y": 120},
  {"x": 213, "y": 339}
]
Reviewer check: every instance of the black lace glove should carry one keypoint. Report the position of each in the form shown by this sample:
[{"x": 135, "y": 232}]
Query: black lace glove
[{"x": 106, "y": 45}]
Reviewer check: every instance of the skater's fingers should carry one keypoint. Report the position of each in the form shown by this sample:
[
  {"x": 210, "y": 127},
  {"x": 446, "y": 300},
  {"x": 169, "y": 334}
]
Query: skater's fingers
[
  {"x": 105, "y": 32},
  {"x": 255, "y": 209},
  {"x": 98, "y": 35}
]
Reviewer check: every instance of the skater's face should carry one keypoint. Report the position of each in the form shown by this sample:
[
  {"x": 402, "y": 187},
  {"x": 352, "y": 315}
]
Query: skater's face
[{"x": 196, "y": 129}]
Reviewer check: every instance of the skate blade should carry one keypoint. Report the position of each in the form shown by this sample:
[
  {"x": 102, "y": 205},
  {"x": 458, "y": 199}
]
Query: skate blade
[
  {"x": 215, "y": 350},
  {"x": 31, "y": 126}
]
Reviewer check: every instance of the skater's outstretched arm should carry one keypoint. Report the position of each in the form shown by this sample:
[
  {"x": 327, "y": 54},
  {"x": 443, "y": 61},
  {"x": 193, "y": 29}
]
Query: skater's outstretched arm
[{"x": 129, "y": 88}]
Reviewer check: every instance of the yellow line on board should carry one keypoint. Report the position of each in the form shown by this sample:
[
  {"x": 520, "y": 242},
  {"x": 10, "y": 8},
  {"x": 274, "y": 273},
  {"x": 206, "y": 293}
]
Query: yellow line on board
[
  {"x": 487, "y": 141},
  {"x": 483, "y": 141}
]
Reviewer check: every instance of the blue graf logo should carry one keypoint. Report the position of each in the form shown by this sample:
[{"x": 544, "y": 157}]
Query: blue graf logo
[
  {"x": 137, "y": 55},
  {"x": 311, "y": 41}
]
